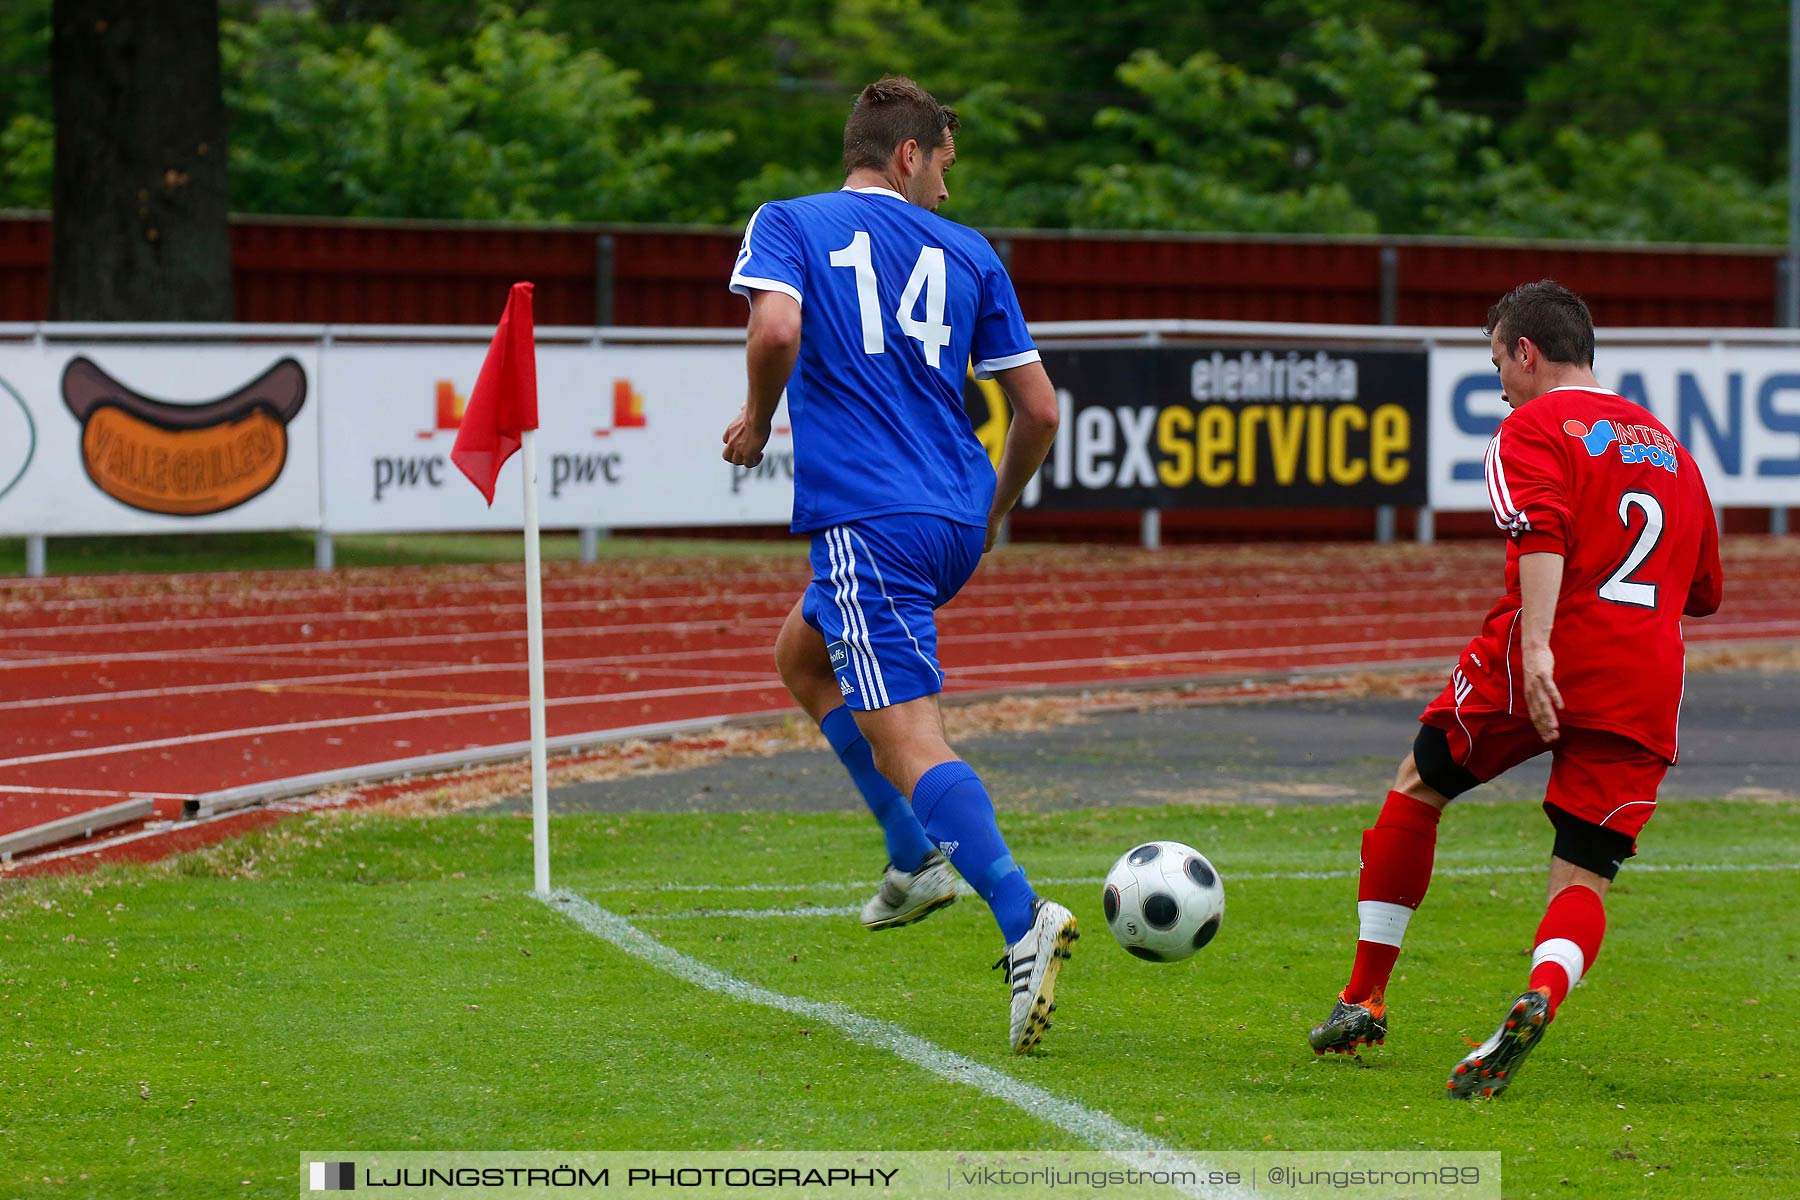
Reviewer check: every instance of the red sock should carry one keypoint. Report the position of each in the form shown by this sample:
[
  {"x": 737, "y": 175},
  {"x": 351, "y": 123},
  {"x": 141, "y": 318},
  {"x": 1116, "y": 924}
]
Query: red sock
[
  {"x": 1396, "y": 870},
  {"x": 1568, "y": 941}
]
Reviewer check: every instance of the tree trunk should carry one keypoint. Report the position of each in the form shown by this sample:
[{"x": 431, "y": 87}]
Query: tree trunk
[{"x": 140, "y": 198}]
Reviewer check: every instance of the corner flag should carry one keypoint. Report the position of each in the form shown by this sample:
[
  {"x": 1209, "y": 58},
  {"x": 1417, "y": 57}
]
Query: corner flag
[
  {"x": 502, "y": 417},
  {"x": 504, "y": 403}
]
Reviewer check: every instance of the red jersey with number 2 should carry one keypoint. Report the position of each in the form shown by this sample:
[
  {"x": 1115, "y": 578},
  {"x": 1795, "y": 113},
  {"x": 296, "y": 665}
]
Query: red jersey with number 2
[{"x": 1589, "y": 475}]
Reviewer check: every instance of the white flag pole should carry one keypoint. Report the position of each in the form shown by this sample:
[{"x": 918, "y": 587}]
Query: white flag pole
[{"x": 534, "y": 633}]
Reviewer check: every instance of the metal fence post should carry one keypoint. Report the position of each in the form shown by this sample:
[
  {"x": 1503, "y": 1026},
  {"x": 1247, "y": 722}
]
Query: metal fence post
[
  {"x": 324, "y": 552},
  {"x": 1150, "y": 528},
  {"x": 1390, "y": 308},
  {"x": 35, "y": 555},
  {"x": 605, "y": 279},
  {"x": 1390, "y": 285},
  {"x": 590, "y": 542},
  {"x": 1384, "y": 524}
]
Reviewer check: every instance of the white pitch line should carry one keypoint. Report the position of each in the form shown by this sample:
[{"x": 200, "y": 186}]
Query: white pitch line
[
  {"x": 1129, "y": 1145},
  {"x": 851, "y": 885},
  {"x": 805, "y": 912}
]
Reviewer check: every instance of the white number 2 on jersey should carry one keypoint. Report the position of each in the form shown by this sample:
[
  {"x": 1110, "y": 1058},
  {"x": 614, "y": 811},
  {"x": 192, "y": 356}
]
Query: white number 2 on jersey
[
  {"x": 928, "y": 277},
  {"x": 1619, "y": 587}
]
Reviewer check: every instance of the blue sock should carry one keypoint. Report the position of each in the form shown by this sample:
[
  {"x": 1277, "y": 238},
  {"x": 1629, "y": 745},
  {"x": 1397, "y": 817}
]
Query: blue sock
[
  {"x": 907, "y": 844},
  {"x": 958, "y": 816}
]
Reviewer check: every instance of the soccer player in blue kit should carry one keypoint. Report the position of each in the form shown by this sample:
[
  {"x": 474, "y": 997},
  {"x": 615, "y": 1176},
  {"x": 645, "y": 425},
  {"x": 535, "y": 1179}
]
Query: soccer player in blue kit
[{"x": 867, "y": 308}]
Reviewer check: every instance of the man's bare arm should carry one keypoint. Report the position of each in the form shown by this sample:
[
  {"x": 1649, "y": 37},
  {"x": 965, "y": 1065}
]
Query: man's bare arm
[
  {"x": 1540, "y": 583},
  {"x": 1028, "y": 438},
  {"x": 772, "y": 347}
]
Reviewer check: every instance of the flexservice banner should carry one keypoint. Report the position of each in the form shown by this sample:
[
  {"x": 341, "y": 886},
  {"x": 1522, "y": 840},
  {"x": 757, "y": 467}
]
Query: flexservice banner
[
  {"x": 1735, "y": 408},
  {"x": 1235, "y": 427}
]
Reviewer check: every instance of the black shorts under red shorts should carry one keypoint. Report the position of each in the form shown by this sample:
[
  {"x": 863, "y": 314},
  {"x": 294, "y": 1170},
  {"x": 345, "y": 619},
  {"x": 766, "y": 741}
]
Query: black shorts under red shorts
[{"x": 1604, "y": 778}]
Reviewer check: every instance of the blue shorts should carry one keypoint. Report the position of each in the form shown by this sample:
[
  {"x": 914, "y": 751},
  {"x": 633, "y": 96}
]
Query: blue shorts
[{"x": 876, "y": 585}]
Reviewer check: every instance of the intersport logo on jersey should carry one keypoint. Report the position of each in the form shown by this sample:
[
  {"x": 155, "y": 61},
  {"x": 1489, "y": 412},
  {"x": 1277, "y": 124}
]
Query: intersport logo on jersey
[{"x": 1637, "y": 443}]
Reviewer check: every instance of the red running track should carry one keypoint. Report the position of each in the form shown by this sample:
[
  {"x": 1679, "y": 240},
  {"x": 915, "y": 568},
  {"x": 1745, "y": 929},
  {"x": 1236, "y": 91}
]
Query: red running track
[{"x": 174, "y": 686}]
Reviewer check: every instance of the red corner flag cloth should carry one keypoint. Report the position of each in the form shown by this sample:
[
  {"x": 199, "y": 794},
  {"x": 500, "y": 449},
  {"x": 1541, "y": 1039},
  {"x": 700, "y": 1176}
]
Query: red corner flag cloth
[{"x": 504, "y": 402}]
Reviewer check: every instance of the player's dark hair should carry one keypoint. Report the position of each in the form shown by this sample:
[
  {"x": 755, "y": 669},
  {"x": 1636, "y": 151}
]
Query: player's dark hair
[
  {"x": 890, "y": 111},
  {"x": 1554, "y": 318}
]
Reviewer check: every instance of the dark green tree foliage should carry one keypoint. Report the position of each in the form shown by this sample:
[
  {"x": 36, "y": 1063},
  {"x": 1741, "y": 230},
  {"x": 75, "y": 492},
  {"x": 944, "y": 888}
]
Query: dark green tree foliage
[
  {"x": 26, "y": 136},
  {"x": 1660, "y": 120},
  {"x": 518, "y": 125},
  {"x": 1707, "y": 77}
]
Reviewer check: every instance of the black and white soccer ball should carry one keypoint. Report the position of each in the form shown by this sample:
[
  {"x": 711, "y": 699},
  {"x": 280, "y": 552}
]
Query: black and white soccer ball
[{"x": 1163, "y": 901}]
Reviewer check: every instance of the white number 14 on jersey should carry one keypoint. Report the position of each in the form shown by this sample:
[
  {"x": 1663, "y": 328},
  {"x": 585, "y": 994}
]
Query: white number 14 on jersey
[{"x": 927, "y": 278}]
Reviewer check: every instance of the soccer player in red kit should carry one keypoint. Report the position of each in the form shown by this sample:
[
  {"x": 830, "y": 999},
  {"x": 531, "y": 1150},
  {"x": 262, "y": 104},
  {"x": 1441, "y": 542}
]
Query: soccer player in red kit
[{"x": 1610, "y": 541}]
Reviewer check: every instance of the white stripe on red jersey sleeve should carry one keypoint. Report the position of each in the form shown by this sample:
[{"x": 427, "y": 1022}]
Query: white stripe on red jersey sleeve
[{"x": 1507, "y": 515}]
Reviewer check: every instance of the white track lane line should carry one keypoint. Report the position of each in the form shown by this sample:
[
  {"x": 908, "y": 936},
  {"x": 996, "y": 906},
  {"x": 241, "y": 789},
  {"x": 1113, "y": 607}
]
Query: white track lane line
[
  {"x": 776, "y": 602},
  {"x": 1173, "y": 568},
  {"x": 40, "y": 659},
  {"x": 1130, "y": 576},
  {"x": 20, "y": 789},
  {"x": 651, "y": 658},
  {"x": 1211, "y": 658},
  {"x": 422, "y": 714},
  {"x": 952, "y": 635},
  {"x": 1129, "y": 1145},
  {"x": 1178, "y": 564},
  {"x": 384, "y": 675},
  {"x": 592, "y": 609},
  {"x": 743, "y": 626}
]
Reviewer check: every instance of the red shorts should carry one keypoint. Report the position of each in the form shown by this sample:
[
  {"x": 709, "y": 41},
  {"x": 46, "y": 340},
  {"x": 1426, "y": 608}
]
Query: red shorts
[{"x": 1603, "y": 778}]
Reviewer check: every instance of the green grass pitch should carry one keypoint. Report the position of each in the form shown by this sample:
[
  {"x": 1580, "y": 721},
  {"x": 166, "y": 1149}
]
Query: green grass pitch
[{"x": 373, "y": 982}]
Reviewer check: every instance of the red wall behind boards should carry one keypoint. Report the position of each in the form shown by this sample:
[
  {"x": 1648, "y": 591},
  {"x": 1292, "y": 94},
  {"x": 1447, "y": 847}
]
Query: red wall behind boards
[{"x": 317, "y": 271}]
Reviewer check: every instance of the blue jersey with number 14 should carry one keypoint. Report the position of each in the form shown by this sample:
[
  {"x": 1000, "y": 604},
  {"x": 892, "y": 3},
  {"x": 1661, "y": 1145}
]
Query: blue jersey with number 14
[{"x": 895, "y": 303}]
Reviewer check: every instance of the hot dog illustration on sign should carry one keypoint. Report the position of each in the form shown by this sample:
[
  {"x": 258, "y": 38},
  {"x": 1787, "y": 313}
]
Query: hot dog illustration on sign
[{"x": 184, "y": 460}]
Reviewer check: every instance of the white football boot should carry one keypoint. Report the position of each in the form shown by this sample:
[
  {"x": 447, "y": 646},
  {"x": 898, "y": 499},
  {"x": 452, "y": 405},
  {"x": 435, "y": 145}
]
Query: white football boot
[
  {"x": 1031, "y": 966},
  {"x": 908, "y": 896}
]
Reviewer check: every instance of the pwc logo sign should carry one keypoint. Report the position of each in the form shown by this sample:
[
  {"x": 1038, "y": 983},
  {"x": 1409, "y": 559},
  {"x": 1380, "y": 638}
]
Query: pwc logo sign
[
  {"x": 568, "y": 471},
  {"x": 451, "y": 405},
  {"x": 606, "y": 468},
  {"x": 627, "y": 408}
]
